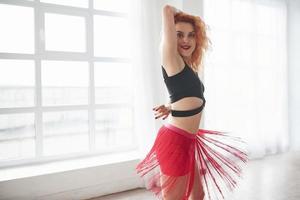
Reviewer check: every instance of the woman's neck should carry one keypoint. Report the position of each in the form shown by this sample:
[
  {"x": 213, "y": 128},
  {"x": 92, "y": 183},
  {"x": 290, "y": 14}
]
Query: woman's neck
[{"x": 188, "y": 61}]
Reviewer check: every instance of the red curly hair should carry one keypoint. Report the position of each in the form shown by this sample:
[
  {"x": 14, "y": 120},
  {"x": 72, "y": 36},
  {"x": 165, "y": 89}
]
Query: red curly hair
[{"x": 202, "y": 41}]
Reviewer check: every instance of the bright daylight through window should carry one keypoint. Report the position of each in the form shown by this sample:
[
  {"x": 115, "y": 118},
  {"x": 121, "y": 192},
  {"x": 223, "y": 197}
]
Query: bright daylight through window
[{"x": 65, "y": 79}]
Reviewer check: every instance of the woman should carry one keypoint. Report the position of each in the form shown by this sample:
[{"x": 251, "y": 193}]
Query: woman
[{"x": 185, "y": 161}]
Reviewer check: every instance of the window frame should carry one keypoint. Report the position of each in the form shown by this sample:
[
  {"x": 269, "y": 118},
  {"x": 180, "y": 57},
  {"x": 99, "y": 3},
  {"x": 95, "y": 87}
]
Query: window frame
[{"x": 40, "y": 53}]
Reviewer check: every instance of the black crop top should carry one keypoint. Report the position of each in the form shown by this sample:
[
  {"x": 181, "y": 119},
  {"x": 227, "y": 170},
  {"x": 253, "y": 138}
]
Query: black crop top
[{"x": 186, "y": 83}]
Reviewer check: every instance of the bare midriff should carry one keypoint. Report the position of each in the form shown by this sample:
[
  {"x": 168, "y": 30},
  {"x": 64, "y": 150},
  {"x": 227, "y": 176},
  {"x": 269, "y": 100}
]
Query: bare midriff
[{"x": 190, "y": 123}]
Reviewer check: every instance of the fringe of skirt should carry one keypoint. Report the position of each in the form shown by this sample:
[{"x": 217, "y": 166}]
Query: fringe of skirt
[{"x": 169, "y": 167}]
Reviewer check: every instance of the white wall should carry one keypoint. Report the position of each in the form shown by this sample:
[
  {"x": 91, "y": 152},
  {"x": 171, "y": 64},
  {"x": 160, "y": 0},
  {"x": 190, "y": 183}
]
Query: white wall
[{"x": 294, "y": 72}]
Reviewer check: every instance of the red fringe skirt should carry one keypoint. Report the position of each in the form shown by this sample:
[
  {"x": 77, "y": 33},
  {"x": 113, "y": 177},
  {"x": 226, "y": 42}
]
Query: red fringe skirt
[{"x": 176, "y": 155}]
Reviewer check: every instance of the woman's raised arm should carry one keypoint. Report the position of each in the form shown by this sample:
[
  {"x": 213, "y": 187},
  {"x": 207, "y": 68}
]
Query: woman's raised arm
[{"x": 170, "y": 56}]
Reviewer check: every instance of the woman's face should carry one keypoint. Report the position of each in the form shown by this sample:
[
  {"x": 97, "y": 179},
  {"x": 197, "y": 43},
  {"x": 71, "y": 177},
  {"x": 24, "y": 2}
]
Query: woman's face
[{"x": 186, "y": 42}]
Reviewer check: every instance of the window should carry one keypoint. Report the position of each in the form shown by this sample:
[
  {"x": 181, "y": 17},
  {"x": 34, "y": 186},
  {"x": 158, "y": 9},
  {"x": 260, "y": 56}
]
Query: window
[{"x": 65, "y": 79}]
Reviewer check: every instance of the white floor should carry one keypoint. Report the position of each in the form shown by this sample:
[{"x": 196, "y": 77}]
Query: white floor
[{"x": 272, "y": 178}]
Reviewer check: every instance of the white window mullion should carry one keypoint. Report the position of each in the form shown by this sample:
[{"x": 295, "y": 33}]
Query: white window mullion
[
  {"x": 90, "y": 52},
  {"x": 38, "y": 112},
  {"x": 16, "y": 56},
  {"x": 38, "y": 18},
  {"x": 18, "y": 2}
]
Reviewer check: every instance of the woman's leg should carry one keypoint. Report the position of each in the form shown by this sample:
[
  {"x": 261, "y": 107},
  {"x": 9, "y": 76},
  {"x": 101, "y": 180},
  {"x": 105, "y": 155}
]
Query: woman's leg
[
  {"x": 197, "y": 190},
  {"x": 177, "y": 190}
]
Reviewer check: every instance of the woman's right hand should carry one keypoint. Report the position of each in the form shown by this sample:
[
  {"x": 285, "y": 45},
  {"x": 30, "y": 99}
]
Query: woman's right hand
[{"x": 162, "y": 111}]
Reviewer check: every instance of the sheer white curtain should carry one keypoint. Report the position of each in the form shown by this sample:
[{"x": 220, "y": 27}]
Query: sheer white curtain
[
  {"x": 246, "y": 72},
  {"x": 149, "y": 87}
]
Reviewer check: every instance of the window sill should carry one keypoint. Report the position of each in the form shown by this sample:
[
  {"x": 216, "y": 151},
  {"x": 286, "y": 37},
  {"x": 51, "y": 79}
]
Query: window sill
[{"x": 12, "y": 173}]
